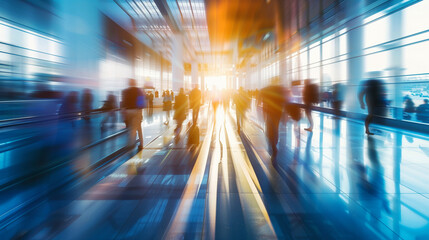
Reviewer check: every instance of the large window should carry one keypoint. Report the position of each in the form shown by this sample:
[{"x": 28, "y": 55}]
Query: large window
[{"x": 27, "y": 54}]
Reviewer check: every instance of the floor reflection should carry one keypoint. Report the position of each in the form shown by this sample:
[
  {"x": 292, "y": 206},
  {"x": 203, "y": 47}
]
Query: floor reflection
[{"x": 332, "y": 183}]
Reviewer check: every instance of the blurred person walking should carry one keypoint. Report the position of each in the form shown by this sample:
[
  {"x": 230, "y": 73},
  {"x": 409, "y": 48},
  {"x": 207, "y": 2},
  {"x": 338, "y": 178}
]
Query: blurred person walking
[
  {"x": 216, "y": 99},
  {"x": 409, "y": 109},
  {"x": 373, "y": 92},
  {"x": 150, "y": 98},
  {"x": 109, "y": 107},
  {"x": 133, "y": 101},
  {"x": 273, "y": 103},
  {"x": 166, "y": 106},
  {"x": 293, "y": 110},
  {"x": 180, "y": 111},
  {"x": 195, "y": 103},
  {"x": 337, "y": 97},
  {"x": 87, "y": 99},
  {"x": 225, "y": 99},
  {"x": 242, "y": 102},
  {"x": 69, "y": 106},
  {"x": 422, "y": 111},
  {"x": 310, "y": 96}
]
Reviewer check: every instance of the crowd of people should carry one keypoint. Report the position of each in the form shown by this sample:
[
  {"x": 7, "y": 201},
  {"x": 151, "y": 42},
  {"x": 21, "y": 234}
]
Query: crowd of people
[{"x": 276, "y": 101}]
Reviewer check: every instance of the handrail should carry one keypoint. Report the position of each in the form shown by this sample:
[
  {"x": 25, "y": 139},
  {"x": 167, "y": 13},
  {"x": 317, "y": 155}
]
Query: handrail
[
  {"x": 56, "y": 165},
  {"x": 417, "y": 127},
  {"x": 13, "y": 214},
  {"x": 37, "y": 119}
]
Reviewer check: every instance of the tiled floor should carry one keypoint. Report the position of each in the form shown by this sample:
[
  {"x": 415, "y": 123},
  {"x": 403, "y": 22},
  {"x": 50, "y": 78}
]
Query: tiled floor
[{"x": 334, "y": 183}]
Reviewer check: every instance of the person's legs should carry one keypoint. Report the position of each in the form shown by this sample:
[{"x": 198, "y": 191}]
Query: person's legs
[
  {"x": 167, "y": 121},
  {"x": 268, "y": 129},
  {"x": 140, "y": 134},
  {"x": 275, "y": 134},
  {"x": 310, "y": 118},
  {"x": 368, "y": 119},
  {"x": 367, "y": 122},
  {"x": 86, "y": 113},
  {"x": 132, "y": 126},
  {"x": 179, "y": 126},
  {"x": 215, "y": 108},
  {"x": 139, "y": 119}
]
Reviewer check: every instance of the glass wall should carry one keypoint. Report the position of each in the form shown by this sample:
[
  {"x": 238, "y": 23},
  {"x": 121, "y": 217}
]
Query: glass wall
[
  {"x": 27, "y": 56},
  {"x": 395, "y": 45}
]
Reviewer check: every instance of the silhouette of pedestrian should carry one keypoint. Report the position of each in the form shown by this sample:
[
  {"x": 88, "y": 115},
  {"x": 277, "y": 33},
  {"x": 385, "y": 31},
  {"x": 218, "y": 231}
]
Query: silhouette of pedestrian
[
  {"x": 87, "y": 99},
  {"x": 166, "y": 105},
  {"x": 337, "y": 97},
  {"x": 180, "y": 110},
  {"x": 374, "y": 94},
  {"x": 409, "y": 108},
  {"x": 422, "y": 111},
  {"x": 109, "y": 107},
  {"x": 133, "y": 101},
  {"x": 310, "y": 96},
  {"x": 242, "y": 102},
  {"x": 195, "y": 103},
  {"x": 69, "y": 106},
  {"x": 273, "y": 100},
  {"x": 216, "y": 99},
  {"x": 150, "y": 102}
]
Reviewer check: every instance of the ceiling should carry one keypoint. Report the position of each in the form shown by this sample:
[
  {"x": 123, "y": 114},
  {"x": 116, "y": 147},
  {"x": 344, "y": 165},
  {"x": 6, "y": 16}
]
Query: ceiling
[
  {"x": 233, "y": 22},
  {"x": 213, "y": 30}
]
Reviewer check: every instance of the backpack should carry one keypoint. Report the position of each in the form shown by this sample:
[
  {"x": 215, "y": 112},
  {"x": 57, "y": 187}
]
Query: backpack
[
  {"x": 314, "y": 93},
  {"x": 141, "y": 100},
  {"x": 294, "y": 111}
]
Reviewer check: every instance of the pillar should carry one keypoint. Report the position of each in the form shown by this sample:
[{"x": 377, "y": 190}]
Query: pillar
[
  {"x": 355, "y": 68},
  {"x": 82, "y": 34},
  {"x": 396, "y": 63},
  {"x": 194, "y": 73},
  {"x": 177, "y": 62}
]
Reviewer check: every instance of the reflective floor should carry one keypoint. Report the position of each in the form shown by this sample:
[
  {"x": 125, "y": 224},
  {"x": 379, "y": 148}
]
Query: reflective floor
[{"x": 333, "y": 183}]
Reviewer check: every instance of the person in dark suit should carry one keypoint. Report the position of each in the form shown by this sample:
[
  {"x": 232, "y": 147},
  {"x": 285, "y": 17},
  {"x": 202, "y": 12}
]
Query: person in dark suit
[
  {"x": 242, "y": 103},
  {"x": 132, "y": 103},
  {"x": 374, "y": 94},
  {"x": 195, "y": 103},
  {"x": 422, "y": 111},
  {"x": 310, "y": 96},
  {"x": 273, "y": 103},
  {"x": 109, "y": 107},
  {"x": 150, "y": 102},
  {"x": 180, "y": 109},
  {"x": 87, "y": 99},
  {"x": 166, "y": 105}
]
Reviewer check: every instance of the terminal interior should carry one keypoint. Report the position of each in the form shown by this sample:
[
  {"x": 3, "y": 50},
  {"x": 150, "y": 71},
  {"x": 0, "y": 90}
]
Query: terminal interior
[{"x": 260, "y": 119}]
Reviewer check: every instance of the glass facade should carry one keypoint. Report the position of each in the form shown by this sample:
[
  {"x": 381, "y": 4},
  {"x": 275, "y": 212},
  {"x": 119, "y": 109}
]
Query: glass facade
[
  {"x": 25, "y": 53},
  {"x": 395, "y": 42}
]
